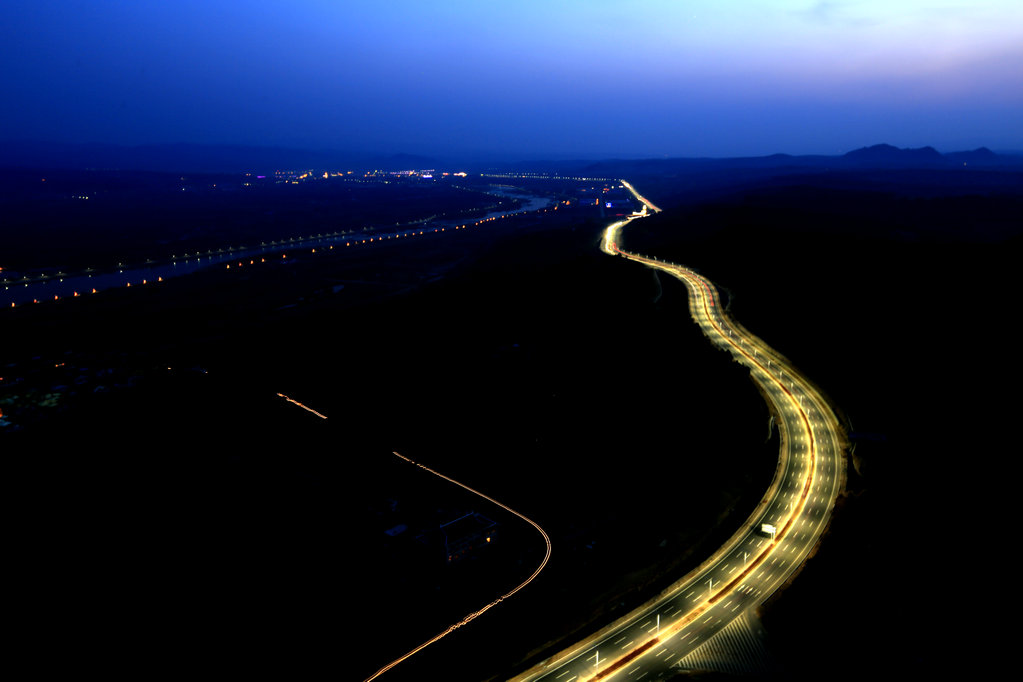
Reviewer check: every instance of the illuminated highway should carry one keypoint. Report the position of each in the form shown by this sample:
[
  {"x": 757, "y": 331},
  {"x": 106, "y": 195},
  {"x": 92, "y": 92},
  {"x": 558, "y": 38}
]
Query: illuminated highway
[{"x": 765, "y": 552}]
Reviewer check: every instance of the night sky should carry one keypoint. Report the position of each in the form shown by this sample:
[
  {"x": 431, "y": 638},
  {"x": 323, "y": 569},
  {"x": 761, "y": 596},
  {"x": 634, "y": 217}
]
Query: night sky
[{"x": 531, "y": 78}]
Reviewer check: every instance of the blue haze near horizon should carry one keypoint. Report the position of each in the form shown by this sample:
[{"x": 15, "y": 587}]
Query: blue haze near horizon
[{"x": 546, "y": 79}]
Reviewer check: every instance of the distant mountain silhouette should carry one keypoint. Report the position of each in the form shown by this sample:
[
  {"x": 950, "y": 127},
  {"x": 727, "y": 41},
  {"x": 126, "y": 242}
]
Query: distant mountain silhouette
[
  {"x": 879, "y": 157},
  {"x": 198, "y": 158},
  {"x": 885, "y": 156},
  {"x": 981, "y": 155}
]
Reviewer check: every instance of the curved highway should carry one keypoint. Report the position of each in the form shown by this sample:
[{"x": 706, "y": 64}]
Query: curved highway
[{"x": 765, "y": 552}]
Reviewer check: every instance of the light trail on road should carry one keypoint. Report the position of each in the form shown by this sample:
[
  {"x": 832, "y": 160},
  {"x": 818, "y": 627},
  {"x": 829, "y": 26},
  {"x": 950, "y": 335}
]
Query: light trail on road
[
  {"x": 747, "y": 568},
  {"x": 639, "y": 197},
  {"x": 304, "y": 407},
  {"x": 474, "y": 614}
]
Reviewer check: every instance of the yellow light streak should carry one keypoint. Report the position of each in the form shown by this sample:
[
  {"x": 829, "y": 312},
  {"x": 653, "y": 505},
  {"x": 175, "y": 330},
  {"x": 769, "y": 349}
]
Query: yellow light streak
[
  {"x": 703, "y": 293},
  {"x": 304, "y": 407},
  {"x": 707, "y": 315},
  {"x": 638, "y": 196},
  {"x": 475, "y": 614}
]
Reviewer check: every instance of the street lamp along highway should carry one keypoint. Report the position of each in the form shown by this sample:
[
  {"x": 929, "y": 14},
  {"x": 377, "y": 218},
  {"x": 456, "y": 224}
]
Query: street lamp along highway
[
  {"x": 810, "y": 475},
  {"x": 747, "y": 569}
]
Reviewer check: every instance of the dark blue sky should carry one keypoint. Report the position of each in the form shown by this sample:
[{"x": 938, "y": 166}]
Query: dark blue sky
[{"x": 525, "y": 78}]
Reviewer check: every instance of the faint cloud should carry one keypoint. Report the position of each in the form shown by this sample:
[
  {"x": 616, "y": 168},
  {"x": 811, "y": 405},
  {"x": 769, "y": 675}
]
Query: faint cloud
[{"x": 831, "y": 13}]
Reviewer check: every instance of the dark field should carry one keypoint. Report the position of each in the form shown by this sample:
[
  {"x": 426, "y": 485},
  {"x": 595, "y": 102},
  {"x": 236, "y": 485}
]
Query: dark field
[
  {"x": 185, "y": 515},
  {"x": 896, "y": 301},
  {"x": 195, "y": 503}
]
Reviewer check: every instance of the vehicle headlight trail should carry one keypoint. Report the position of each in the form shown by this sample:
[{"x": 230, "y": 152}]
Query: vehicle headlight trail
[
  {"x": 749, "y": 567},
  {"x": 475, "y": 614},
  {"x": 480, "y": 612},
  {"x": 304, "y": 407},
  {"x": 761, "y": 556}
]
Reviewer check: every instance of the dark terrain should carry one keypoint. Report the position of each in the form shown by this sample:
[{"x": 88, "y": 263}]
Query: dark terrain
[
  {"x": 184, "y": 510},
  {"x": 186, "y": 514},
  {"x": 894, "y": 291}
]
